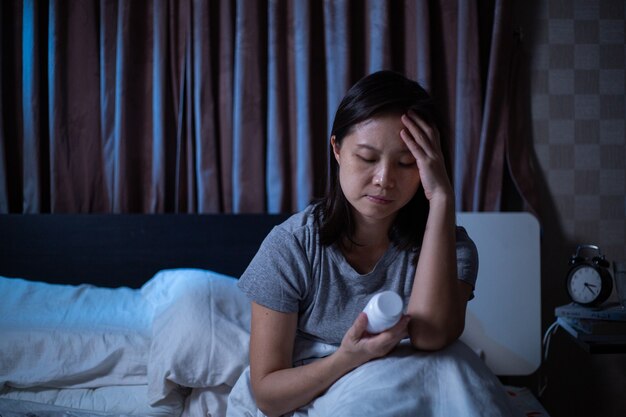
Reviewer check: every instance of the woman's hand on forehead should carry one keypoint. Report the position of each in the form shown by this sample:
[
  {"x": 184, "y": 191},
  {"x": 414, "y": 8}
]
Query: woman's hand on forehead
[{"x": 423, "y": 141}]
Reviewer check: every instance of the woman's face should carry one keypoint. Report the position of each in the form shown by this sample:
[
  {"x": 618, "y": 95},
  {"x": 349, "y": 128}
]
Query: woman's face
[{"x": 377, "y": 172}]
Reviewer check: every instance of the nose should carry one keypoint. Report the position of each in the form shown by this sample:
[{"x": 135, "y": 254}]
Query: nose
[{"x": 384, "y": 176}]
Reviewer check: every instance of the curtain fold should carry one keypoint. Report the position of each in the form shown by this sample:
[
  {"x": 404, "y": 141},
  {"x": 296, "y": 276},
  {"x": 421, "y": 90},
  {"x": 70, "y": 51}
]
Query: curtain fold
[
  {"x": 337, "y": 34},
  {"x": 248, "y": 108},
  {"x": 34, "y": 140},
  {"x": 159, "y": 110},
  {"x": 301, "y": 56},
  {"x": 493, "y": 133},
  {"x": 107, "y": 12},
  {"x": 4, "y": 190},
  {"x": 417, "y": 49},
  {"x": 278, "y": 179},
  {"x": 378, "y": 35},
  {"x": 469, "y": 109},
  {"x": 199, "y": 106}
]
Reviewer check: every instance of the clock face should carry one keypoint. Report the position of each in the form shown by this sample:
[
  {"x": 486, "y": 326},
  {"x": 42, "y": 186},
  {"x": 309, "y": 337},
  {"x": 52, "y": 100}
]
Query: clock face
[{"x": 584, "y": 284}]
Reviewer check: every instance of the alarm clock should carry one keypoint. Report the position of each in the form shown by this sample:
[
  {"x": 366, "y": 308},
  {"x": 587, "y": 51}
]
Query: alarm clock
[{"x": 589, "y": 281}]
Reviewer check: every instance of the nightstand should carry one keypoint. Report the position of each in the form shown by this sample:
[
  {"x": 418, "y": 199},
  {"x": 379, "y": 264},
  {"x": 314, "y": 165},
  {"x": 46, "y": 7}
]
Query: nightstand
[{"x": 597, "y": 330}]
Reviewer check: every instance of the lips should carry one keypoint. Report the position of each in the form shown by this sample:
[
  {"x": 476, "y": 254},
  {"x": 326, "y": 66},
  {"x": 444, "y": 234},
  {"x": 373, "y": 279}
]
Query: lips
[{"x": 379, "y": 199}]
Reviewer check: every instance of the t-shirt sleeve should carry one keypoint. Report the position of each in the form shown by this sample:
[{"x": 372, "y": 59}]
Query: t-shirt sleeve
[
  {"x": 466, "y": 258},
  {"x": 277, "y": 275}
]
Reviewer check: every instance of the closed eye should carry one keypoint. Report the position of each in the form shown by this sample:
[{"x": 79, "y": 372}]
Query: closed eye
[{"x": 365, "y": 159}]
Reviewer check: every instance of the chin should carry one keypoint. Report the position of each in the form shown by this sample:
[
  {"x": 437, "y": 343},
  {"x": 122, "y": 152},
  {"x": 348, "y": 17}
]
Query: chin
[{"x": 376, "y": 213}]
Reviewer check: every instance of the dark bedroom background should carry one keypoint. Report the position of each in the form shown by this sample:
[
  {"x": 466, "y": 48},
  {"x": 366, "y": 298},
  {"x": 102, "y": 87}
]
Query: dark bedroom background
[{"x": 225, "y": 107}]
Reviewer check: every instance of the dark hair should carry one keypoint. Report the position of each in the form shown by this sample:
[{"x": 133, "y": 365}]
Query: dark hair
[{"x": 380, "y": 93}]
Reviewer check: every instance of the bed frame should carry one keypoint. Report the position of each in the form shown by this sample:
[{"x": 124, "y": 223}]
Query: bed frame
[
  {"x": 115, "y": 250},
  {"x": 503, "y": 321}
]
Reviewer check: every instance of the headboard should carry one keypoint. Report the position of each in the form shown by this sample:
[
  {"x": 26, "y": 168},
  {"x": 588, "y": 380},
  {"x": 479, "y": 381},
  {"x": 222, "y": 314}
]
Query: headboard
[
  {"x": 503, "y": 320},
  {"x": 115, "y": 250}
]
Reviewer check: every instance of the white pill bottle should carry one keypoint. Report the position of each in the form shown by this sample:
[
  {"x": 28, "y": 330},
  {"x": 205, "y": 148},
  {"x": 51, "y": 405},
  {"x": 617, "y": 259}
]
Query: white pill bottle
[{"x": 383, "y": 311}]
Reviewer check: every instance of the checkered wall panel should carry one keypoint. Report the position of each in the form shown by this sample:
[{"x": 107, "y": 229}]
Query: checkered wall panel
[{"x": 579, "y": 111}]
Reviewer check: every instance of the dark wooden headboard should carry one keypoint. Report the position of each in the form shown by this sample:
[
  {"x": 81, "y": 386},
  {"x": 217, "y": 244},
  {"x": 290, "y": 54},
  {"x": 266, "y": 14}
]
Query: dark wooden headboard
[{"x": 126, "y": 249}]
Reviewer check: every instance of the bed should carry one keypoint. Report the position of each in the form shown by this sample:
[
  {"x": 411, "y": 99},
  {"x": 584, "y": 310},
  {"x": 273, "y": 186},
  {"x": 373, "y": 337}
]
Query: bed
[{"x": 99, "y": 314}]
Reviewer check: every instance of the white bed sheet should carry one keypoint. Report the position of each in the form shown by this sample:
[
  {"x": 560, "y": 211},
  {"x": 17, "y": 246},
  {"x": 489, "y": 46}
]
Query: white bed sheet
[{"x": 114, "y": 400}]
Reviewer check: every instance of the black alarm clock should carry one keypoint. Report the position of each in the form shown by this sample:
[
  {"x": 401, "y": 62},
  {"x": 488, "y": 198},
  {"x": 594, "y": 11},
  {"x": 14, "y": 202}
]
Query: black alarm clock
[{"x": 589, "y": 281}]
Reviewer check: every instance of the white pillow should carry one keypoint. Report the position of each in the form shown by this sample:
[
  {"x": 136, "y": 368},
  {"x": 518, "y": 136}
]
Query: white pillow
[
  {"x": 200, "y": 332},
  {"x": 37, "y": 304},
  {"x": 72, "y": 336}
]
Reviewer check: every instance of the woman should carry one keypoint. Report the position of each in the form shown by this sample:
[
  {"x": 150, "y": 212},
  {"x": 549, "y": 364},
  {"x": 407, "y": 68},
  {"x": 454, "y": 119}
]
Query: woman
[{"x": 387, "y": 223}]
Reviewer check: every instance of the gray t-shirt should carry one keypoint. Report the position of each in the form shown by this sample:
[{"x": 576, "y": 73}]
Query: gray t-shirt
[{"x": 293, "y": 272}]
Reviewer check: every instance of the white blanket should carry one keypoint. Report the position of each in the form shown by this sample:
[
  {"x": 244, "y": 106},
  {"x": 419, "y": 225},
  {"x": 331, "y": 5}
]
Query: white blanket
[
  {"x": 450, "y": 382},
  {"x": 190, "y": 328}
]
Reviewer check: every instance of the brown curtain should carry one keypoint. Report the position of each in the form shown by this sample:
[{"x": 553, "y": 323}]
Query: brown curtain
[{"x": 225, "y": 106}]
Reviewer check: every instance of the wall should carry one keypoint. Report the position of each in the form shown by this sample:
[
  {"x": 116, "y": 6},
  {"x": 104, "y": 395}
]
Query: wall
[{"x": 575, "y": 69}]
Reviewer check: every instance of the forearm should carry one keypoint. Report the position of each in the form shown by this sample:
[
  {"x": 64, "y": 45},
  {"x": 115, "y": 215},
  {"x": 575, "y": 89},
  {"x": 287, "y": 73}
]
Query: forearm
[
  {"x": 287, "y": 389},
  {"x": 434, "y": 305},
  {"x": 278, "y": 387}
]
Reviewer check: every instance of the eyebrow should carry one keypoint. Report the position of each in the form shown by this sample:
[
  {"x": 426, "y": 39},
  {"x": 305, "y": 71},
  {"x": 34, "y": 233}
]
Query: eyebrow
[{"x": 371, "y": 148}]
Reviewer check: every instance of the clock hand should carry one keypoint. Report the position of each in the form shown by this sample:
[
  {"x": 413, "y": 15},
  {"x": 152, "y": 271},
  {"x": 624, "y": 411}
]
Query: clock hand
[{"x": 587, "y": 285}]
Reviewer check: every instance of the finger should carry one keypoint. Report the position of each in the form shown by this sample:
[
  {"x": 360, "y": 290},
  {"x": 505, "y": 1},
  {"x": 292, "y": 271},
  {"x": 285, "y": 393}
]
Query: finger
[
  {"x": 430, "y": 131},
  {"x": 416, "y": 150},
  {"x": 418, "y": 135},
  {"x": 358, "y": 327},
  {"x": 398, "y": 330},
  {"x": 401, "y": 327},
  {"x": 391, "y": 337}
]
